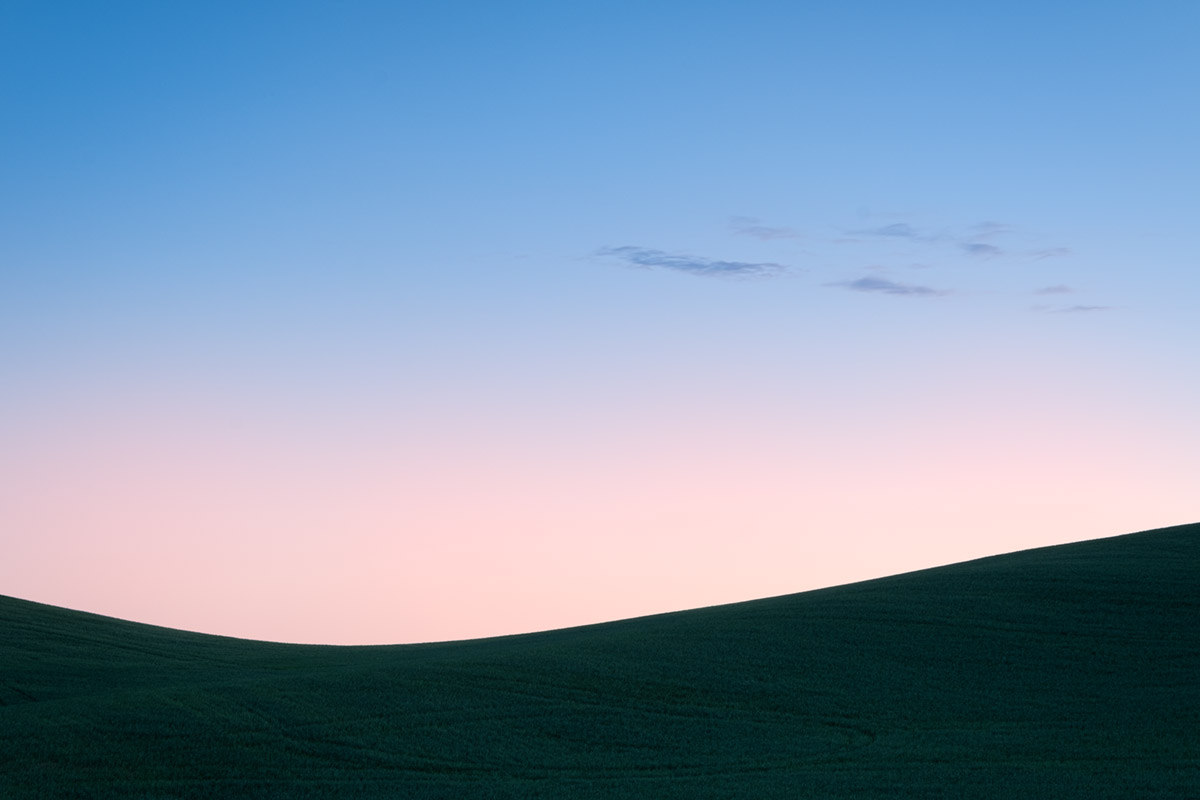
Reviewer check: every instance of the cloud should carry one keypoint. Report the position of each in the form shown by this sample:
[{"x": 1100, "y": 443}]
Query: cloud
[
  {"x": 1070, "y": 309},
  {"x": 1056, "y": 289},
  {"x": 985, "y": 230},
  {"x": 1050, "y": 252},
  {"x": 899, "y": 230},
  {"x": 694, "y": 265},
  {"x": 981, "y": 249},
  {"x": 885, "y": 286},
  {"x": 749, "y": 226},
  {"x": 979, "y": 241}
]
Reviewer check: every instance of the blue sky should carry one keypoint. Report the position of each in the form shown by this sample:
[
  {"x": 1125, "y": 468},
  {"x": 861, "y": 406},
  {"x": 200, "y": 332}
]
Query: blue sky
[{"x": 549, "y": 233}]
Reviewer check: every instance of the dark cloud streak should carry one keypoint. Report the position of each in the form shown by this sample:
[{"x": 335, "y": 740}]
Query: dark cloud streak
[
  {"x": 885, "y": 286},
  {"x": 980, "y": 249},
  {"x": 897, "y": 230},
  {"x": 985, "y": 230},
  {"x": 1050, "y": 252},
  {"x": 749, "y": 226},
  {"x": 693, "y": 265},
  {"x": 1080, "y": 309}
]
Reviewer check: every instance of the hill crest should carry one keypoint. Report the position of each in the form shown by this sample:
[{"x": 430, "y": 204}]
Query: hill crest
[{"x": 1064, "y": 671}]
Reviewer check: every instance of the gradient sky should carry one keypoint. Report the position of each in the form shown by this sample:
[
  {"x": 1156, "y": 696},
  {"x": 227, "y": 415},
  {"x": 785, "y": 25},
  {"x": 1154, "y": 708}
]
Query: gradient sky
[{"x": 359, "y": 322}]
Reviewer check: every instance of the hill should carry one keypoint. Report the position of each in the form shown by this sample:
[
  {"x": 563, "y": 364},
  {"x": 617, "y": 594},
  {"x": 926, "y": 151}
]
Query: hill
[{"x": 1067, "y": 671}]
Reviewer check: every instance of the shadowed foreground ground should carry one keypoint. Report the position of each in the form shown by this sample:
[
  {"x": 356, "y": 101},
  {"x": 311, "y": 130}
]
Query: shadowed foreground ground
[{"x": 1062, "y": 672}]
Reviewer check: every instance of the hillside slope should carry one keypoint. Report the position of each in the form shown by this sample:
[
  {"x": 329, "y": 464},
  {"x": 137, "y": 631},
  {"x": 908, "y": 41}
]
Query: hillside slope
[{"x": 1068, "y": 671}]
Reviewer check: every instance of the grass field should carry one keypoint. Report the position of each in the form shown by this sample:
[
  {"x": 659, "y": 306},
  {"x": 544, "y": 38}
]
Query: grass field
[{"x": 1063, "y": 672}]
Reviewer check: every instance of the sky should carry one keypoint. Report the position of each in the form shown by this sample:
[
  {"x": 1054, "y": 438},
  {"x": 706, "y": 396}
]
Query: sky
[{"x": 374, "y": 322}]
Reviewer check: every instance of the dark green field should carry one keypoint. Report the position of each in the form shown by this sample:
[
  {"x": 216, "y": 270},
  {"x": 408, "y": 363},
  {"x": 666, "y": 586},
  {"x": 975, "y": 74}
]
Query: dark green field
[{"x": 1070, "y": 671}]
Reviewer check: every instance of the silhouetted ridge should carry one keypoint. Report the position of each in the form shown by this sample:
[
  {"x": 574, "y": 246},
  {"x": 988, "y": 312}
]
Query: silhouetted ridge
[{"x": 1067, "y": 671}]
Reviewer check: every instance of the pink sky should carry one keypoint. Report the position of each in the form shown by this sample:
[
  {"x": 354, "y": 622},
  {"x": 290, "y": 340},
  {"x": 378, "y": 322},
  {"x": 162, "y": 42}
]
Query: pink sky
[{"x": 241, "y": 521}]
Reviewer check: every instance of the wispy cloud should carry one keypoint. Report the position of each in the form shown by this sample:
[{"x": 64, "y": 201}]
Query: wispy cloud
[
  {"x": 980, "y": 249},
  {"x": 1070, "y": 309},
  {"x": 694, "y": 265},
  {"x": 1060, "y": 288},
  {"x": 885, "y": 286},
  {"x": 987, "y": 239},
  {"x": 897, "y": 230},
  {"x": 751, "y": 226},
  {"x": 987, "y": 230},
  {"x": 973, "y": 240},
  {"x": 1078, "y": 309},
  {"x": 977, "y": 241},
  {"x": 1049, "y": 252}
]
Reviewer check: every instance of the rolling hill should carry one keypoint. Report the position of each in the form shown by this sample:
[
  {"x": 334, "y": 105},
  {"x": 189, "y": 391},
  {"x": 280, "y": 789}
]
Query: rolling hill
[{"x": 1067, "y": 671}]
